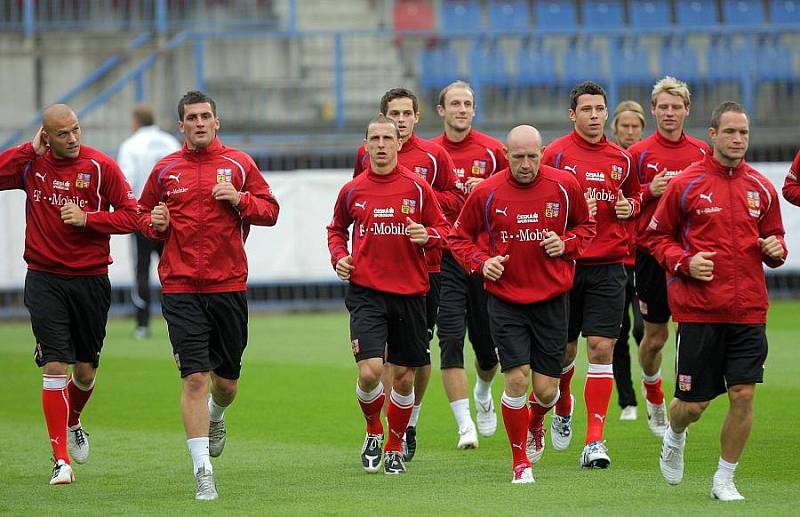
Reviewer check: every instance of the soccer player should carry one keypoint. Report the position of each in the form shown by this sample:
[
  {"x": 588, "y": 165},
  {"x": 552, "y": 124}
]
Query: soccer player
[
  {"x": 659, "y": 158},
  {"x": 536, "y": 222},
  {"x": 462, "y": 301},
  {"x": 716, "y": 223},
  {"x": 434, "y": 165},
  {"x": 137, "y": 156},
  {"x": 627, "y": 126},
  {"x": 200, "y": 201},
  {"x": 396, "y": 220},
  {"x": 791, "y": 187},
  {"x": 71, "y": 188},
  {"x": 597, "y": 299}
]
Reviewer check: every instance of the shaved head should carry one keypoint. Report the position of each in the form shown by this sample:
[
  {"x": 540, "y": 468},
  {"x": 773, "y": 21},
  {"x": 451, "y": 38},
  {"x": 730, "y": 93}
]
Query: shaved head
[
  {"x": 56, "y": 113},
  {"x": 524, "y": 153},
  {"x": 62, "y": 133},
  {"x": 523, "y": 133}
]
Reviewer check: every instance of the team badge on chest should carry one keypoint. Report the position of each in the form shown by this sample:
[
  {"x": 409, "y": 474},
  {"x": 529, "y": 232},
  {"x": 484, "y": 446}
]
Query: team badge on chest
[
  {"x": 616, "y": 172},
  {"x": 422, "y": 171},
  {"x": 409, "y": 206},
  {"x": 552, "y": 209},
  {"x": 82, "y": 181},
  {"x": 224, "y": 175},
  {"x": 753, "y": 203},
  {"x": 479, "y": 168}
]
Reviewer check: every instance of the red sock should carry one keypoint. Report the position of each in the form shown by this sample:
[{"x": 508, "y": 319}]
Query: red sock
[
  {"x": 56, "y": 409},
  {"x": 372, "y": 413},
  {"x": 537, "y": 412},
  {"x": 596, "y": 394},
  {"x": 77, "y": 399},
  {"x": 564, "y": 404},
  {"x": 398, "y": 414},
  {"x": 516, "y": 422},
  {"x": 653, "y": 391}
]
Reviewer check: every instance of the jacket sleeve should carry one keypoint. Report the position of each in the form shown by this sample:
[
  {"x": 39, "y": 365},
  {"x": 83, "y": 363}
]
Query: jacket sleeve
[
  {"x": 434, "y": 220},
  {"x": 791, "y": 187},
  {"x": 502, "y": 161},
  {"x": 771, "y": 224},
  {"x": 117, "y": 192},
  {"x": 12, "y": 165},
  {"x": 339, "y": 228},
  {"x": 663, "y": 230},
  {"x": 358, "y": 168},
  {"x": 450, "y": 197},
  {"x": 581, "y": 226},
  {"x": 257, "y": 205},
  {"x": 633, "y": 191},
  {"x": 463, "y": 237},
  {"x": 151, "y": 196}
]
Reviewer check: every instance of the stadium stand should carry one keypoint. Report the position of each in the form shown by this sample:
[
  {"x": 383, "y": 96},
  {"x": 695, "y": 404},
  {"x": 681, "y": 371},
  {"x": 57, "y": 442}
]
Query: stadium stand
[
  {"x": 737, "y": 13},
  {"x": 461, "y": 17},
  {"x": 599, "y": 14},
  {"x": 556, "y": 15},
  {"x": 651, "y": 15},
  {"x": 696, "y": 14},
  {"x": 509, "y": 16}
]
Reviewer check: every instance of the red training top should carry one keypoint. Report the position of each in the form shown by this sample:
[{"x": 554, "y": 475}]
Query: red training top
[
  {"x": 476, "y": 156},
  {"x": 791, "y": 187}
]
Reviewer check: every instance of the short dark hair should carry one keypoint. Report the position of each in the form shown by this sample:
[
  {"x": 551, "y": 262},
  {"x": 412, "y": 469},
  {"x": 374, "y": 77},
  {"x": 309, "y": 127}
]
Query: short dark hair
[
  {"x": 723, "y": 108},
  {"x": 398, "y": 93},
  {"x": 586, "y": 88},
  {"x": 382, "y": 119},
  {"x": 143, "y": 113},
  {"x": 195, "y": 97}
]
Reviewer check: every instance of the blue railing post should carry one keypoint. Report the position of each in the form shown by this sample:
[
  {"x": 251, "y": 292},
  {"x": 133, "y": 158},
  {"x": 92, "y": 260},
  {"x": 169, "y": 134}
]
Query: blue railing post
[
  {"x": 162, "y": 21},
  {"x": 138, "y": 84},
  {"x": 292, "y": 17},
  {"x": 339, "y": 60},
  {"x": 28, "y": 18},
  {"x": 199, "y": 58}
]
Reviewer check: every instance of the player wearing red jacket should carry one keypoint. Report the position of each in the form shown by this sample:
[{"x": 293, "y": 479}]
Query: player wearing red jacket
[
  {"x": 659, "y": 158},
  {"x": 201, "y": 202},
  {"x": 396, "y": 220},
  {"x": 537, "y": 222},
  {"x": 597, "y": 299},
  {"x": 791, "y": 187},
  {"x": 717, "y": 222},
  {"x": 462, "y": 301},
  {"x": 71, "y": 189},
  {"x": 431, "y": 162}
]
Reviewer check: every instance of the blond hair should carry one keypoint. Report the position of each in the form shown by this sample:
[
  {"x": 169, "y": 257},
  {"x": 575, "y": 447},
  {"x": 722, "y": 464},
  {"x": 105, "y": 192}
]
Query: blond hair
[
  {"x": 632, "y": 106},
  {"x": 671, "y": 86},
  {"x": 454, "y": 84}
]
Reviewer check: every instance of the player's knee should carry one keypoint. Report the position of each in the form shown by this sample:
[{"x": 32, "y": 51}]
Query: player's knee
[
  {"x": 516, "y": 381},
  {"x": 196, "y": 383},
  {"x": 226, "y": 387},
  {"x": 546, "y": 395},
  {"x": 403, "y": 381},
  {"x": 655, "y": 335},
  {"x": 741, "y": 396},
  {"x": 695, "y": 409}
]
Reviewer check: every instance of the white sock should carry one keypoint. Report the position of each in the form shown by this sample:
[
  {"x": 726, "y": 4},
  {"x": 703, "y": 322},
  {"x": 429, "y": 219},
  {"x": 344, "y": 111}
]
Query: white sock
[
  {"x": 483, "y": 389},
  {"x": 198, "y": 448},
  {"x": 514, "y": 402},
  {"x": 725, "y": 470},
  {"x": 368, "y": 396},
  {"x": 461, "y": 412},
  {"x": 650, "y": 379},
  {"x": 80, "y": 386},
  {"x": 675, "y": 438},
  {"x": 412, "y": 422},
  {"x": 54, "y": 382},
  {"x": 215, "y": 411}
]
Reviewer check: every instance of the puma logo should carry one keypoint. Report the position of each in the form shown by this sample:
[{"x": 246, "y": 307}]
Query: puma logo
[
  {"x": 707, "y": 197},
  {"x": 503, "y": 211},
  {"x": 571, "y": 168},
  {"x": 176, "y": 177},
  {"x": 362, "y": 205},
  {"x": 599, "y": 416},
  {"x": 40, "y": 175},
  {"x": 397, "y": 434},
  {"x": 516, "y": 446},
  {"x": 55, "y": 440},
  {"x": 653, "y": 166}
]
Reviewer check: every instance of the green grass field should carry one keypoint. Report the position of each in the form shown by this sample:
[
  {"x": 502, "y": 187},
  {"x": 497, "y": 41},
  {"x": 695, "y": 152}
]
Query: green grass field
[{"x": 295, "y": 432}]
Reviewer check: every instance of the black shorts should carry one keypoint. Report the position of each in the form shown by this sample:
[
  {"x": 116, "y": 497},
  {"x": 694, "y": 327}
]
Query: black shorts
[
  {"x": 711, "y": 357},
  {"x": 651, "y": 288},
  {"x": 534, "y": 334},
  {"x": 68, "y": 316},
  {"x": 597, "y": 301},
  {"x": 462, "y": 309},
  {"x": 208, "y": 331},
  {"x": 432, "y": 302},
  {"x": 385, "y": 323}
]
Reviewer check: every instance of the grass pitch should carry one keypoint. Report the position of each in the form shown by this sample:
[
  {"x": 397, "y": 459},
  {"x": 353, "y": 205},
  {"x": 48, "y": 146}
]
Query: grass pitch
[{"x": 295, "y": 432}]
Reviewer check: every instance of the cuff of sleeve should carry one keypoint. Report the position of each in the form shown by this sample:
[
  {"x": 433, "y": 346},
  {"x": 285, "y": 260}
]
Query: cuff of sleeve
[{"x": 244, "y": 200}]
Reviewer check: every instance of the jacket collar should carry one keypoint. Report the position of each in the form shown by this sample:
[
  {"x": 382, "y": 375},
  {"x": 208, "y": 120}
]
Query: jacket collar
[
  {"x": 214, "y": 148},
  {"x": 712, "y": 165},
  {"x": 579, "y": 140}
]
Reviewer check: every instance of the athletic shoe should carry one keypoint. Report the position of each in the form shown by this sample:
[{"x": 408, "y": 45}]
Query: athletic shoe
[
  {"x": 206, "y": 487},
  {"x": 371, "y": 452},
  {"x": 561, "y": 429},
  {"x": 410, "y": 443},
  {"x": 671, "y": 461},
  {"x": 523, "y": 474},
  {"x": 468, "y": 437},
  {"x": 62, "y": 474},
  {"x": 595, "y": 455},
  {"x": 535, "y": 445},
  {"x": 78, "y": 443},
  {"x": 140, "y": 333},
  {"x": 486, "y": 416},
  {"x": 393, "y": 463},
  {"x": 657, "y": 418},
  {"x": 216, "y": 437},
  {"x": 629, "y": 413},
  {"x": 725, "y": 491}
]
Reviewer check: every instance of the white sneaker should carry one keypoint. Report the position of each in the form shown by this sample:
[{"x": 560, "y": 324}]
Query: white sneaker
[
  {"x": 629, "y": 413},
  {"x": 371, "y": 452},
  {"x": 62, "y": 474},
  {"x": 206, "y": 487},
  {"x": 468, "y": 437},
  {"x": 486, "y": 416},
  {"x": 671, "y": 461},
  {"x": 595, "y": 455},
  {"x": 78, "y": 443},
  {"x": 561, "y": 429},
  {"x": 523, "y": 474},
  {"x": 535, "y": 445},
  {"x": 725, "y": 491},
  {"x": 216, "y": 437},
  {"x": 657, "y": 418}
]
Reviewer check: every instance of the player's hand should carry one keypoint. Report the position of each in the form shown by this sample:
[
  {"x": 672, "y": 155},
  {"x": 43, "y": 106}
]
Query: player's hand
[
  {"x": 553, "y": 245},
  {"x": 701, "y": 267},
  {"x": 344, "y": 267},
  {"x": 771, "y": 247},
  {"x": 493, "y": 267},
  {"x": 470, "y": 184},
  {"x": 226, "y": 192},
  {"x": 416, "y": 232},
  {"x": 159, "y": 217},
  {"x": 73, "y": 215},
  {"x": 623, "y": 207},
  {"x": 591, "y": 202},
  {"x": 38, "y": 142},
  {"x": 659, "y": 183}
]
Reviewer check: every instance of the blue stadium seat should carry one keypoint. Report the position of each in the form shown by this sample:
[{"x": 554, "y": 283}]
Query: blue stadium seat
[
  {"x": 693, "y": 14},
  {"x": 651, "y": 15},
  {"x": 726, "y": 64},
  {"x": 461, "y": 17},
  {"x": 557, "y": 15},
  {"x": 439, "y": 66},
  {"x": 580, "y": 63},
  {"x": 600, "y": 14},
  {"x": 742, "y": 14},
  {"x": 680, "y": 60},
  {"x": 785, "y": 12},
  {"x": 774, "y": 62},
  {"x": 536, "y": 67},
  {"x": 488, "y": 65},
  {"x": 630, "y": 64},
  {"x": 509, "y": 16}
]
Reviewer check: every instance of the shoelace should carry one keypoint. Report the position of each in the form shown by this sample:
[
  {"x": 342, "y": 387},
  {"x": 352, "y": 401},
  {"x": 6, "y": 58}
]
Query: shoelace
[
  {"x": 671, "y": 453},
  {"x": 216, "y": 431},
  {"x": 597, "y": 447},
  {"x": 562, "y": 426},
  {"x": 371, "y": 443},
  {"x": 80, "y": 436},
  {"x": 205, "y": 482}
]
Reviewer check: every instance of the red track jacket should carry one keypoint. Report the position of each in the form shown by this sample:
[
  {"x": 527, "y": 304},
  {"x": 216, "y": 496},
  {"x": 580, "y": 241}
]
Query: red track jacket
[{"x": 791, "y": 187}]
